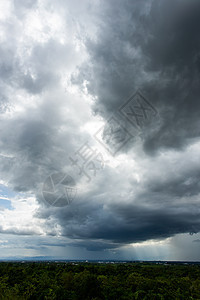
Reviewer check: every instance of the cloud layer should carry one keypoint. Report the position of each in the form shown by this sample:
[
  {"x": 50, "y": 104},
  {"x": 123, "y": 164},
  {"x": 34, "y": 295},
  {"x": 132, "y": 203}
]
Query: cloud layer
[{"x": 65, "y": 70}]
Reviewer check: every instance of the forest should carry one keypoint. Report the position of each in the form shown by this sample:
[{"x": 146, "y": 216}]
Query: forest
[{"x": 98, "y": 281}]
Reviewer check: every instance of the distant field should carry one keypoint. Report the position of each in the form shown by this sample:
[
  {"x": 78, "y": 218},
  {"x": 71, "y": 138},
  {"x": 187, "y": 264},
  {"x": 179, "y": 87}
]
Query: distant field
[{"x": 92, "y": 281}]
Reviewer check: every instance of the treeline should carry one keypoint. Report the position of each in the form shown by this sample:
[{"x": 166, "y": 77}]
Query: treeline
[{"x": 98, "y": 281}]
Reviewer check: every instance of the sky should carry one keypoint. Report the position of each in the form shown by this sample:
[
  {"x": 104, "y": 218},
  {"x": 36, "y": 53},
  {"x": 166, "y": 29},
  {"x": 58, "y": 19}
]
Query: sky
[{"x": 100, "y": 129}]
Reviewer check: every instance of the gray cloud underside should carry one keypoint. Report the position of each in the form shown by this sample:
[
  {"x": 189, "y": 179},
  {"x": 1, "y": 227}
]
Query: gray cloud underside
[{"x": 153, "y": 45}]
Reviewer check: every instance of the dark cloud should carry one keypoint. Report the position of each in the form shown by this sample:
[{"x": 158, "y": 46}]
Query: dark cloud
[
  {"x": 108, "y": 49},
  {"x": 149, "y": 210},
  {"x": 155, "y": 48},
  {"x": 124, "y": 224}
]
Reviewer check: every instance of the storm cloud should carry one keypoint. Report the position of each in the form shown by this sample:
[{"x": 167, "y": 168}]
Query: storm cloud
[{"x": 66, "y": 71}]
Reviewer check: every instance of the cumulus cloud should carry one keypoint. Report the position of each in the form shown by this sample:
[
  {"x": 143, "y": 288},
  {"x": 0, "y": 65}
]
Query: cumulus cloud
[{"x": 66, "y": 68}]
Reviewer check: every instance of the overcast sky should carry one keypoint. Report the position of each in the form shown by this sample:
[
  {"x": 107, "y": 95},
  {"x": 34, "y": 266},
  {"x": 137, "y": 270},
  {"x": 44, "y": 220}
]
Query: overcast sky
[{"x": 100, "y": 129}]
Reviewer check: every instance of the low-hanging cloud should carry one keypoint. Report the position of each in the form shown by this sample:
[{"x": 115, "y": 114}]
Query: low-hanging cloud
[{"x": 70, "y": 69}]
